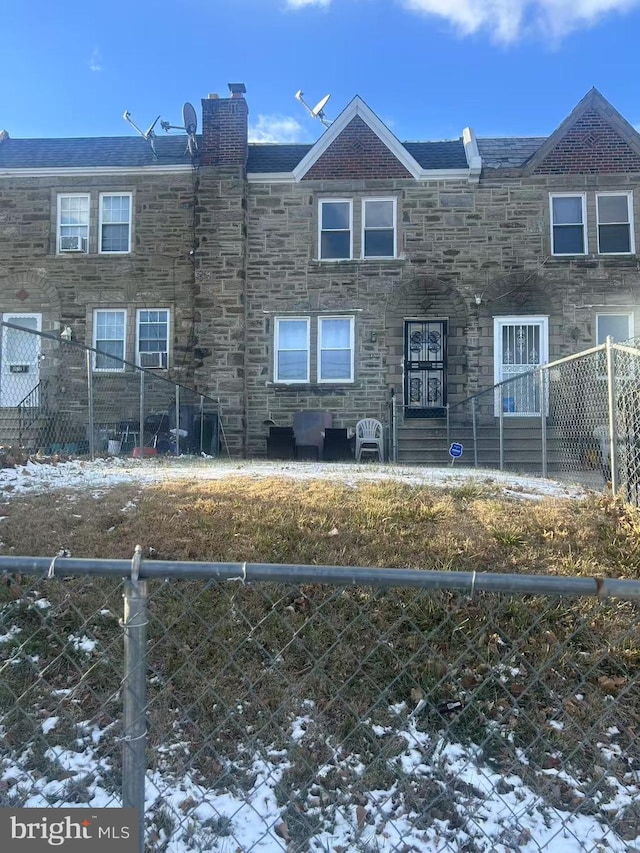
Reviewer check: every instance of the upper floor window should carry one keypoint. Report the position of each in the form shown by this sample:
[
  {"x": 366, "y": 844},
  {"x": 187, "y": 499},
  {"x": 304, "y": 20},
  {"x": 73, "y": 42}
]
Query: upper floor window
[
  {"x": 568, "y": 225},
  {"x": 152, "y": 338},
  {"x": 115, "y": 222},
  {"x": 615, "y": 231},
  {"x": 379, "y": 228},
  {"x": 336, "y": 223},
  {"x": 335, "y": 349},
  {"x": 73, "y": 223},
  {"x": 109, "y": 336},
  {"x": 291, "y": 350}
]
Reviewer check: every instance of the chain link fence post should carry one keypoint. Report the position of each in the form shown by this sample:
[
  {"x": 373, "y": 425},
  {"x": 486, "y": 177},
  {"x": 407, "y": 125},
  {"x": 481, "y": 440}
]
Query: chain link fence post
[
  {"x": 141, "y": 436},
  {"x": 543, "y": 420},
  {"x": 178, "y": 420},
  {"x": 474, "y": 427},
  {"x": 135, "y": 694},
  {"x": 613, "y": 428},
  {"x": 90, "y": 405}
]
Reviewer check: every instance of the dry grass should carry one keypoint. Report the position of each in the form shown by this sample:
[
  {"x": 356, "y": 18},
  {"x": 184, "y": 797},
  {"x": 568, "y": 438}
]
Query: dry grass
[{"x": 233, "y": 665}]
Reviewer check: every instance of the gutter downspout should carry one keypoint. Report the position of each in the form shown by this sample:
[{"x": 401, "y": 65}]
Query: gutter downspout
[{"x": 472, "y": 153}]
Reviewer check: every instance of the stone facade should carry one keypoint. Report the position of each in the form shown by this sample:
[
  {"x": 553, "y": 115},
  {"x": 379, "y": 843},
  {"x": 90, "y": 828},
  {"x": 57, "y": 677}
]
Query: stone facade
[{"x": 232, "y": 253}]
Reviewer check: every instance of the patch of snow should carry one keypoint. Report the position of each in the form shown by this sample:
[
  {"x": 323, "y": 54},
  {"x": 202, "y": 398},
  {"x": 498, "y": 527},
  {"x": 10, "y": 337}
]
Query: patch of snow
[
  {"x": 10, "y": 635},
  {"x": 82, "y": 644},
  {"x": 49, "y": 724},
  {"x": 101, "y": 474}
]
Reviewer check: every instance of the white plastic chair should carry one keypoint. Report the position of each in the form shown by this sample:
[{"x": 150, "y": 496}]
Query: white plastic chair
[{"x": 369, "y": 438}]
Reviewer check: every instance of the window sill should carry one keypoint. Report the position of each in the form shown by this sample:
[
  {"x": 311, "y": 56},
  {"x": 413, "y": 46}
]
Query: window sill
[
  {"x": 350, "y": 262},
  {"x": 313, "y": 387},
  {"x": 92, "y": 255}
]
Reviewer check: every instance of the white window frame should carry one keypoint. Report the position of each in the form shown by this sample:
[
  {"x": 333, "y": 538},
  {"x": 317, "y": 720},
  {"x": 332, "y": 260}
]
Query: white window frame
[
  {"x": 164, "y": 352},
  {"x": 321, "y": 202},
  {"x": 394, "y": 202},
  {"x": 629, "y": 222},
  {"x": 97, "y": 311},
  {"x": 585, "y": 234},
  {"x": 277, "y": 349},
  {"x": 102, "y": 196},
  {"x": 627, "y": 314},
  {"x": 59, "y": 198},
  {"x": 320, "y": 349}
]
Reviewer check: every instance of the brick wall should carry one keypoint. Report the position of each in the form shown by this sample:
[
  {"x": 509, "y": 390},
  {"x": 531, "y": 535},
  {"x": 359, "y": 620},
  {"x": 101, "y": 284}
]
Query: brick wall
[
  {"x": 356, "y": 153},
  {"x": 591, "y": 146},
  {"x": 224, "y": 131}
]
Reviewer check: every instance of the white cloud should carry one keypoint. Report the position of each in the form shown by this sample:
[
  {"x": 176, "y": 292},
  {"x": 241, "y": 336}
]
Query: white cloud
[
  {"x": 95, "y": 62},
  {"x": 509, "y": 19},
  {"x": 299, "y": 4},
  {"x": 275, "y": 128}
]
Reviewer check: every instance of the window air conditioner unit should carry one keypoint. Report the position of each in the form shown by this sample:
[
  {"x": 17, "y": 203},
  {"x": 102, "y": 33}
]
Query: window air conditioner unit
[
  {"x": 152, "y": 359},
  {"x": 73, "y": 243}
]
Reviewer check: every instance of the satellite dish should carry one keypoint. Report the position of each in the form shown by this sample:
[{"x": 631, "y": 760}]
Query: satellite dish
[
  {"x": 189, "y": 125},
  {"x": 189, "y": 118},
  {"x": 319, "y": 107},
  {"x": 318, "y": 110},
  {"x": 149, "y": 134}
]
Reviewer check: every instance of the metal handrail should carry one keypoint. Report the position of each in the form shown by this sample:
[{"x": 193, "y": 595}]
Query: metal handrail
[{"x": 27, "y": 403}]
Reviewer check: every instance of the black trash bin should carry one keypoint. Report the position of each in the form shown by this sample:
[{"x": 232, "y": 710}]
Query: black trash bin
[{"x": 204, "y": 435}]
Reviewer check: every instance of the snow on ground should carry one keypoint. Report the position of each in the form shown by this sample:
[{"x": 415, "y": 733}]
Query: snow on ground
[
  {"x": 102, "y": 474},
  {"x": 468, "y": 805}
]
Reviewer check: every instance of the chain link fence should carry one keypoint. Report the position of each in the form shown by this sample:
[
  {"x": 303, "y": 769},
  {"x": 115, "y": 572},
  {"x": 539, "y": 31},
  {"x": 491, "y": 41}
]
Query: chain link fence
[
  {"x": 59, "y": 396},
  {"x": 577, "y": 418},
  {"x": 310, "y": 708}
]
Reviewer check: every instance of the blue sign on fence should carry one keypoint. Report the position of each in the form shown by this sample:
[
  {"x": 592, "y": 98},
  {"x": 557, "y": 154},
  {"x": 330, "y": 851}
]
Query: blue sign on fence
[{"x": 455, "y": 451}]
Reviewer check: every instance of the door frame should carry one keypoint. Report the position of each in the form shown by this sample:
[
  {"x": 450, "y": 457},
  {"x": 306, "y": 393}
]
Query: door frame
[
  {"x": 8, "y": 317},
  {"x": 499, "y": 322},
  {"x": 435, "y": 411}
]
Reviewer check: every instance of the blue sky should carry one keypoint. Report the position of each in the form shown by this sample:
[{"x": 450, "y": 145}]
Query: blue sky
[{"x": 428, "y": 68}]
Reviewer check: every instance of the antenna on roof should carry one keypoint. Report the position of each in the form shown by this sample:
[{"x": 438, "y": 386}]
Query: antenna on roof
[
  {"x": 189, "y": 125},
  {"x": 149, "y": 134},
  {"x": 318, "y": 110}
]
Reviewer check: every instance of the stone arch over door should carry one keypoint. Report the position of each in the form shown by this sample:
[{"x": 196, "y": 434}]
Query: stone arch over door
[
  {"x": 28, "y": 300},
  {"x": 520, "y": 319},
  {"x": 31, "y": 292},
  {"x": 429, "y": 298}
]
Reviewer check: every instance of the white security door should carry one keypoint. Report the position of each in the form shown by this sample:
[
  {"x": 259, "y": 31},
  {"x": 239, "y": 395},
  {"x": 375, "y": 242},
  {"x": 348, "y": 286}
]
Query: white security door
[
  {"x": 20, "y": 360},
  {"x": 520, "y": 345}
]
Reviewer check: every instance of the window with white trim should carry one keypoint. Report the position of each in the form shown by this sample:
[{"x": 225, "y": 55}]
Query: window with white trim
[
  {"x": 109, "y": 337},
  {"x": 378, "y": 228},
  {"x": 152, "y": 337},
  {"x": 618, "y": 326},
  {"x": 336, "y": 229},
  {"x": 292, "y": 349},
  {"x": 73, "y": 223},
  {"x": 615, "y": 223},
  {"x": 568, "y": 220},
  {"x": 115, "y": 223},
  {"x": 335, "y": 349}
]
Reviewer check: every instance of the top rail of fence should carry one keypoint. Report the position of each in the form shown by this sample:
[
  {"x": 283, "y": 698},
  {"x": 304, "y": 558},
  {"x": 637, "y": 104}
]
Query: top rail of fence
[{"x": 470, "y": 582}]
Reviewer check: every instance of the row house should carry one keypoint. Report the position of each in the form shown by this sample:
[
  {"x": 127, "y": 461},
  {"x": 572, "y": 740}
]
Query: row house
[{"x": 331, "y": 276}]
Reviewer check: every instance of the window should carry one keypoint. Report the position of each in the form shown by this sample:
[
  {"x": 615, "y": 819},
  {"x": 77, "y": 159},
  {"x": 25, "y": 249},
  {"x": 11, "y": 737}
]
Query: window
[
  {"x": 568, "y": 225},
  {"x": 152, "y": 338},
  {"x": 109, "y": 335},
  {"x": 73, "y": 223},
  {"x": 379, "y": 228},
  {"x": 615, "y": 234},
  {"x": 291, "y": 350},
  {"x": 115, "y": 222},
  {"x": 618, "y": 326},
  {"x": 335, "y": 349},
  {"x": 336, "y": 241}
]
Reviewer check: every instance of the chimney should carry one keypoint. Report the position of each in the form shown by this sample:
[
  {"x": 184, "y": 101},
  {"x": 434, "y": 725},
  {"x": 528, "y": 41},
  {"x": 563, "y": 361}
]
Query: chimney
[{"x": 225, "y": 129}]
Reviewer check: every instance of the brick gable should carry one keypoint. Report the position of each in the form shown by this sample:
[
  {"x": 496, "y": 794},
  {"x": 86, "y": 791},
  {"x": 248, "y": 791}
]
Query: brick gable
[
  {"x": 590, "y": 146},
  {"x": 357, "y": 153}
]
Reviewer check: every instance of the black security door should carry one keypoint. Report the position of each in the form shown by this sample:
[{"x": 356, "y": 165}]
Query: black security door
[{"x": 425, "y": 368}]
